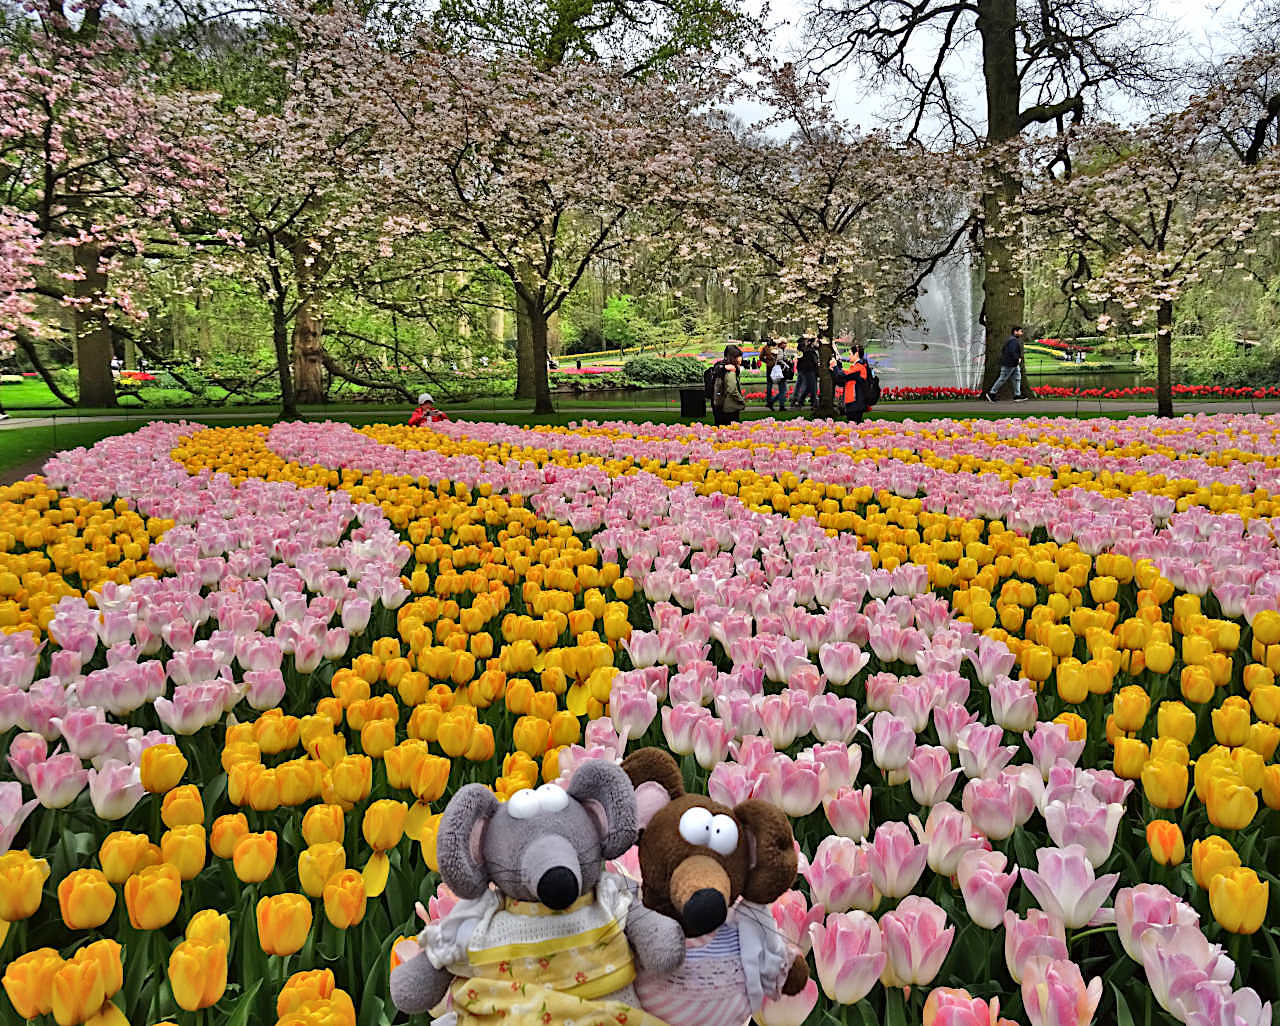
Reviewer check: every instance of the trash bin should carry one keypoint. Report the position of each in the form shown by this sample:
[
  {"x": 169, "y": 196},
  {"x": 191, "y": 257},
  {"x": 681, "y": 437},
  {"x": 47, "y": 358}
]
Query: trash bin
[{"x": 693, "y": 402}]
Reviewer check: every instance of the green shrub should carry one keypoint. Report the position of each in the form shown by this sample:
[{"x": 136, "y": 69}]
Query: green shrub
[{"x": 656, "y": 370}]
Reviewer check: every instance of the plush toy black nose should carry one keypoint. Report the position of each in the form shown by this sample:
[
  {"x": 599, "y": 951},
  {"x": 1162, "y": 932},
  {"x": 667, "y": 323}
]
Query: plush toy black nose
[
  {"x": 704, "y": 912},
  {"x": 558, "y": 888}
]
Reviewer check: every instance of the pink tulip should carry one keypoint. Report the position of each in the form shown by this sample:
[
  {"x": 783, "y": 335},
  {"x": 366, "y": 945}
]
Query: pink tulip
[
  {"x": 881, "y": 687},
  {"x": 1219, "y": 1005},
  {"x": 1146, "y": 905},
  {"x": 1051, "y": 745},
  {"x": 981, "y": 753},
  {"x": 115, "y": 790},
  {"x": 1054, "y": 994},
  {"x": 794, "y": 918},
  {"x": 1087, "y": 822},
  {"x": 58, "y": 780},
  {"x": 266, "y": 688},
  {"x": 46, "y": 707},
  {"x": 687, "y": 688},
  {"x": 794, "y": 786},
  {"x": 892, "y": 742},
  {"x": 784, "y": 718},
  {"x": 995, "y": 805},
  {"x": 13, "y": 812},
  {"x": 86, "y": 731},
  {"x": 985, "y": 886},
  {"x": 192, "y": 708},
  {"x": 806, "y": 680},
  {"x": 895, "y": 860},
  {"x": 678, "y": 722},
  {"x": 730, "y": 784},
  {"x": 849, "y": 812},
  {"x": 835, "y": 719},
  {"x": 752, "y": 752},
  {"x": 13, "y": 707},
  {"x": 992, "y": 660},
  {"x": 336, "y": 642},
  {"x": 839, "y": 876},
  {"x": 1178, "y": 961},
  {"x": 711, "y": 742},
  {"x": 849, "y": 954},
  {"x": 788, "y": 1011},
  {"x": 1013, "y": 704},
  {"x": 1065, "y": 887},
  {"x": 916, "y": 941},
  {"x": 355, "y": 614},
  {"x": 912, "y": 702},
  {"x": 947, "y": 835},
  {"x": 841, "y": 662},
  {"x": 932, "y": 778},
  {"x": 632, "y": 710},
  {"x": 948, "y": 721},
  {"x": 19, "y": 656},
  {"x": 950, "y": 1006},
  {"x": 839, "y": 763},
  {"x": 308, "y": 652},
  {"x": 25, "y": 749},
  {"x": 1039, "y": 935},
  {"x": 739, "y": 711}
]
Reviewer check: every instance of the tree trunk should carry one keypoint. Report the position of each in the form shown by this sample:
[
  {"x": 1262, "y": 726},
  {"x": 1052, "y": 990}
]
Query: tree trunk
[
  {"x": 497, "y": 315},
  {"x": 1164, "y": 359},
  {"x": 525, "y": 385},
  {"x": 542, "y": 386},
  {"x": 826, "y": 349},
  {"x": 553, "y": 334},
  {"x": 1003, "y": 291},
  {"x": 93, "y": 333},
  {"x": 204, "y": 326},
  {"x": 308, "y": 352},
  {"x": 280, "y": 338}
]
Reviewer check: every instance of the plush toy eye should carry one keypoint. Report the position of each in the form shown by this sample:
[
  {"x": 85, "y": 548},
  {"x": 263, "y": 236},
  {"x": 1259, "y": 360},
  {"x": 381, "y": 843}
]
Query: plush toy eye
[
  {"x": 552, "y": 798},
  {"x": 695, "y": 825},
  {"x": 524, "y": 804},
  {"x": 724, "y": 835}
]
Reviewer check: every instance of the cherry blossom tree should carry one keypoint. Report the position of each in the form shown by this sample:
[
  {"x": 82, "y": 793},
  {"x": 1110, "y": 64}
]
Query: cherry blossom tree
[
  {"x": 1137, "y": 215},
  {"x": 96, "y": 157}
]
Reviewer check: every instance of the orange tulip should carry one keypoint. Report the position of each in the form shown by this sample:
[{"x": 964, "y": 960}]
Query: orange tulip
[
  {"x": 151, "y": 895},
  {"x": 86, "y": 899},
  {"x": 255, "y": 856},
  {"x": 198, "y": 974},
  {"x": 284, "y": 921},
  {"x": 345, "y": 899}
]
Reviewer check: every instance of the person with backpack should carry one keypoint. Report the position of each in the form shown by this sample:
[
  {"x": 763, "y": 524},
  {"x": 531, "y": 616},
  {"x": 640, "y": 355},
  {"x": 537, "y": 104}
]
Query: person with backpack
[
  {"x": 806, "y": 374},
  {"x": 725, "y": 376},
  {"x": 859, "y": 386},
  {"x": 1010, "y": 367}
]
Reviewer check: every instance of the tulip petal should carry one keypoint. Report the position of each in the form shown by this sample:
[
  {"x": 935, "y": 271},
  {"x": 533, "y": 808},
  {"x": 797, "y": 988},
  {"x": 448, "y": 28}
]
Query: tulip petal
[{"x": 375, "y": 874}]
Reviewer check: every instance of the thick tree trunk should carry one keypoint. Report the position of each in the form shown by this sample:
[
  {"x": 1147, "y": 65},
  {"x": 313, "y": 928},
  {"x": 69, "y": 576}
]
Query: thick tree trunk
[
  {"x": 541, "y": 384},
  {"x": 93, "y": 333},
  {"x": 308, "y": 353},
  {"x": 553, "y": 334},
  {"x": 280, "y": 339},
  {"x": 497, "y": 315},
  {"x": 826, "y": 349},
  {"x": 525, "y": 385},
  {"x": 1164, "y": 359},
  {"x": 1003, "y": 292}
]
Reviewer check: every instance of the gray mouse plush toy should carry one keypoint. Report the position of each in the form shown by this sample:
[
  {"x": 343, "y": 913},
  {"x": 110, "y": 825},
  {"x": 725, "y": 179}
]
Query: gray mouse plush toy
[{"x": 542, "y": 933}]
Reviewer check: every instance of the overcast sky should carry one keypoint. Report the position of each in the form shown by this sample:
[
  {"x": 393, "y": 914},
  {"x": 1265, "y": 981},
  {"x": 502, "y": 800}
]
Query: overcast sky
[{"x": 1206, "y": 27}]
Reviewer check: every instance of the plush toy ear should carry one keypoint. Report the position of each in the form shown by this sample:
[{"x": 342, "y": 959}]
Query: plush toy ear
[
  {"x": 459, "y": 842},
  {"x": 657, "y": 779},
  {"x": 606, "y": 793},
  {"x": 771, "y": 848}
]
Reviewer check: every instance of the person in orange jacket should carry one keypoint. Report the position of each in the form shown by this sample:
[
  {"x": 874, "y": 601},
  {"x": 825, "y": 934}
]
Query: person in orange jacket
[
  {"x": 853, "y": 385},
  {"x": 426, "y": 411}
]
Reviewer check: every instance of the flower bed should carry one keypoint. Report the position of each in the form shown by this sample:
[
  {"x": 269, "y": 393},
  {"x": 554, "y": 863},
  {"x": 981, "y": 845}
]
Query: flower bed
[
  {"x": 1013, "y": 682},
  {"x": 936, "y": 392}
]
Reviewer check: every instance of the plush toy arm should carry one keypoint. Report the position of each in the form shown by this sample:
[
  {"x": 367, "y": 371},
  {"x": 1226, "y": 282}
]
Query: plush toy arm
[
  {"x": 417, "y": 986},
  {"x": 658, "y": 941},
  {"x": 797, "y": 977}
]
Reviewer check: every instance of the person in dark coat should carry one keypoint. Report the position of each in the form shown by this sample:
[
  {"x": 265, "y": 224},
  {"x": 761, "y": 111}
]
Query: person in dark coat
[
  {"x": 806, "y": 374},
  {"x": 853, "y": 385},
  {"x": 1010, "y": 367}
]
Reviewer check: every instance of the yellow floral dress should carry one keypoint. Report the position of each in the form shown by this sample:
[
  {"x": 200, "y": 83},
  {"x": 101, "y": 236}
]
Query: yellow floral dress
[{"x": 520, "y": 963}]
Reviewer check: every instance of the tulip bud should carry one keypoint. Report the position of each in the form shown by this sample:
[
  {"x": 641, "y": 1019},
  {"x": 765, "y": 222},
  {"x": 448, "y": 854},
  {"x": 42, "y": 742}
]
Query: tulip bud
[
  {"x": 86, "y": 899},
  {"x": 1165, "y": 783},
  {"x": 1175, "y": 720},
  {"x": 318, "y": 863},
  {"x": 182, "y": 806},
  {"x": 1131, "y": 706},
  {"x": 1238, "y": 900},
  {"x": 198, "y": 974},
  {"x": 254, "y": 856},
  {"x": 21, "y": 883},
  {"x": 162, "y": 767},
  {"x": 1210, "y": 857},
  {"x": 284, "y": 921},
  {"x": 1130, "y": 758},
  {"x": 345, "y": 898},
  {"x": 151, "y": 895},
  {"x": 227, "y": 832},
  {"x": 184, "y": 847},
  {"x": 1231, "y": 722},
  {"x": 209, "y": 926},
  {"x": 323, "y": 823},
  {"x": 384, "y": 824},
  {"x": 1165, "y": 841}
]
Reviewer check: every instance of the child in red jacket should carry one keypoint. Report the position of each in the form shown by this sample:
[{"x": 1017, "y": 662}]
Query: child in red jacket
[{"x": 426, "y": 411}]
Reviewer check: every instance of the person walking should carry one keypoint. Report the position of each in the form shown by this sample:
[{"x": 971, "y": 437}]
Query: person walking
[
  {"x": 727, "y": 400},
  {"x": 770, "y": 357},
  {"x": 854, "y": 385},
  {"x": 1010, "y": 367},
  {"x": 806, "y": 374}
]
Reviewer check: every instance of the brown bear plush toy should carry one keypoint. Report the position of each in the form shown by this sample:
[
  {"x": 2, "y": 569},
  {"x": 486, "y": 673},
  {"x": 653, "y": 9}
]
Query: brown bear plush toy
[{"x": 715, "y": 870}]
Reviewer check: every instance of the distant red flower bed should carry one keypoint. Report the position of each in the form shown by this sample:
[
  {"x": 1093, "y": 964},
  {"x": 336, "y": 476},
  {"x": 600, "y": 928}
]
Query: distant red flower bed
[
  {"x": 933, "y": 392},
  {"x": 586, "y": 370},
  {"x": 136, "y": 376}
]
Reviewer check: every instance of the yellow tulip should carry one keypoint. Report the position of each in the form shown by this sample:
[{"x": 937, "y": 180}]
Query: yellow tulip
[
  {"x": 275, "y": 733},
  {"x": 78, "y": 991},
  {"x": 431, "y": 777},
  {"x": 162, "y": 767},
  {"x": 1175, "y": 720},
  {"x": 427, "y": 839},
  {"x": 1231, "y": 722},
  {"x": 184, "y": 847},
  {"x": 1271, "y": 787},
  {"x": 182, "y": 806},
  {"x": 345, "y": 898},
  {"x": 198, "y": 974},
  {"x": 1130, "y": 758},
  {"x": 209, "y": 926},
  {"x": 323, "y": 823},
  {"x": 1257, "y": 675},
  {"x": 122, "y": 854},
  {"x": 377, "y": 736},
  {"x": 1266, "y": 627},
  {"x": 106, "y": 955},
  {"x": 318, "y": 863},
  {"x": 1265, "y": 701},
  {"x": 284, "y": 921},
  {"x": 1166, "y": 843},
  {"x": 28, "y": 980},
  {"x": 1264, "y": 738},
  {"x": 1037, "y": 663},
  {"x": 304, "y": 988},
  {"x": 1238, "y": 900},
  {"x": 1230, "y": 804},
  {"x": 383, "y": 824},
  {"x": 1165, "y": 783},
  {"x": 352, "y": 778},
  {"x": 1073, "y": 686},
  {"x": 454, "y": 733},
  {"x": 1197, "y": 684},
  {"x": 1158, "y": 655},
  {"x": 86, "y": 899},
  {"x": 402, "y": 763},
  {"x": 254, "y": 856},
  {"x": 1077, "y": 727},
  {"x": 531, "y": 735},
  {"x": 21, "y": 883},
  {"x": 151, "y": 895},
  {"x": 1171, "y": 749},
  {"x": 1131, "y": 706},
  {"x": 482, "y": 745},
  {"x": 299, "y": 781},
  {"x": 1210, "y": 857},
  {"x": 227, "y": 832}
]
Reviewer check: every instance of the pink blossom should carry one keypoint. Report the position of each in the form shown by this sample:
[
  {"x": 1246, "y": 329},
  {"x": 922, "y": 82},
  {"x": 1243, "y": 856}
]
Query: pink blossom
[
  {"x": 985, "y": 886},
  {"x": 115, "y": 789},
  {"x": 1087, "y": 822},
  {"x": 892, "y": 741},
  {"x": 58, "y": 780},
  {"x": 1039, "y": 935},
  {"x": 788, "y": 1011},
  {"x": 794, "y": 918},
  {"x": 632, "y": 709},
  {"x": 1179, "y": 960},
  {"x": 1013, "y": 704},
  {"x": 895, "y": 860},
  {"x": 949, "y": 720},
  {"x": 947, "y": 835},
  {"x": 1054, "y": 993},
  {"x": 678, "y": 722},
  {"x": 839, "y": 876},
  {"x": 839, "y": 763},
  {"x": 932, "y": 778},
  {"x": 792, "y": 785},
  {"x": 730, "y": 784},
  {"x": 24, "y": 750},
  {"x": 981, "y": 753},
  {"x": 841, "y": 662},
  {"x": 1050, "y": 745},
  {"x": 783, "y": 718},
  {"x": 710, "y": 741},
  {"x": 849, "y": 812},
  {"x": 916, "y": 941},
  {"x": 13, "y": 812},
  {"x": 1065, "y": 887},
  {"x": 881, "y": 687},
  {"x": 1145, "y": 905},
  {"x": 849, "y": 954}
]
